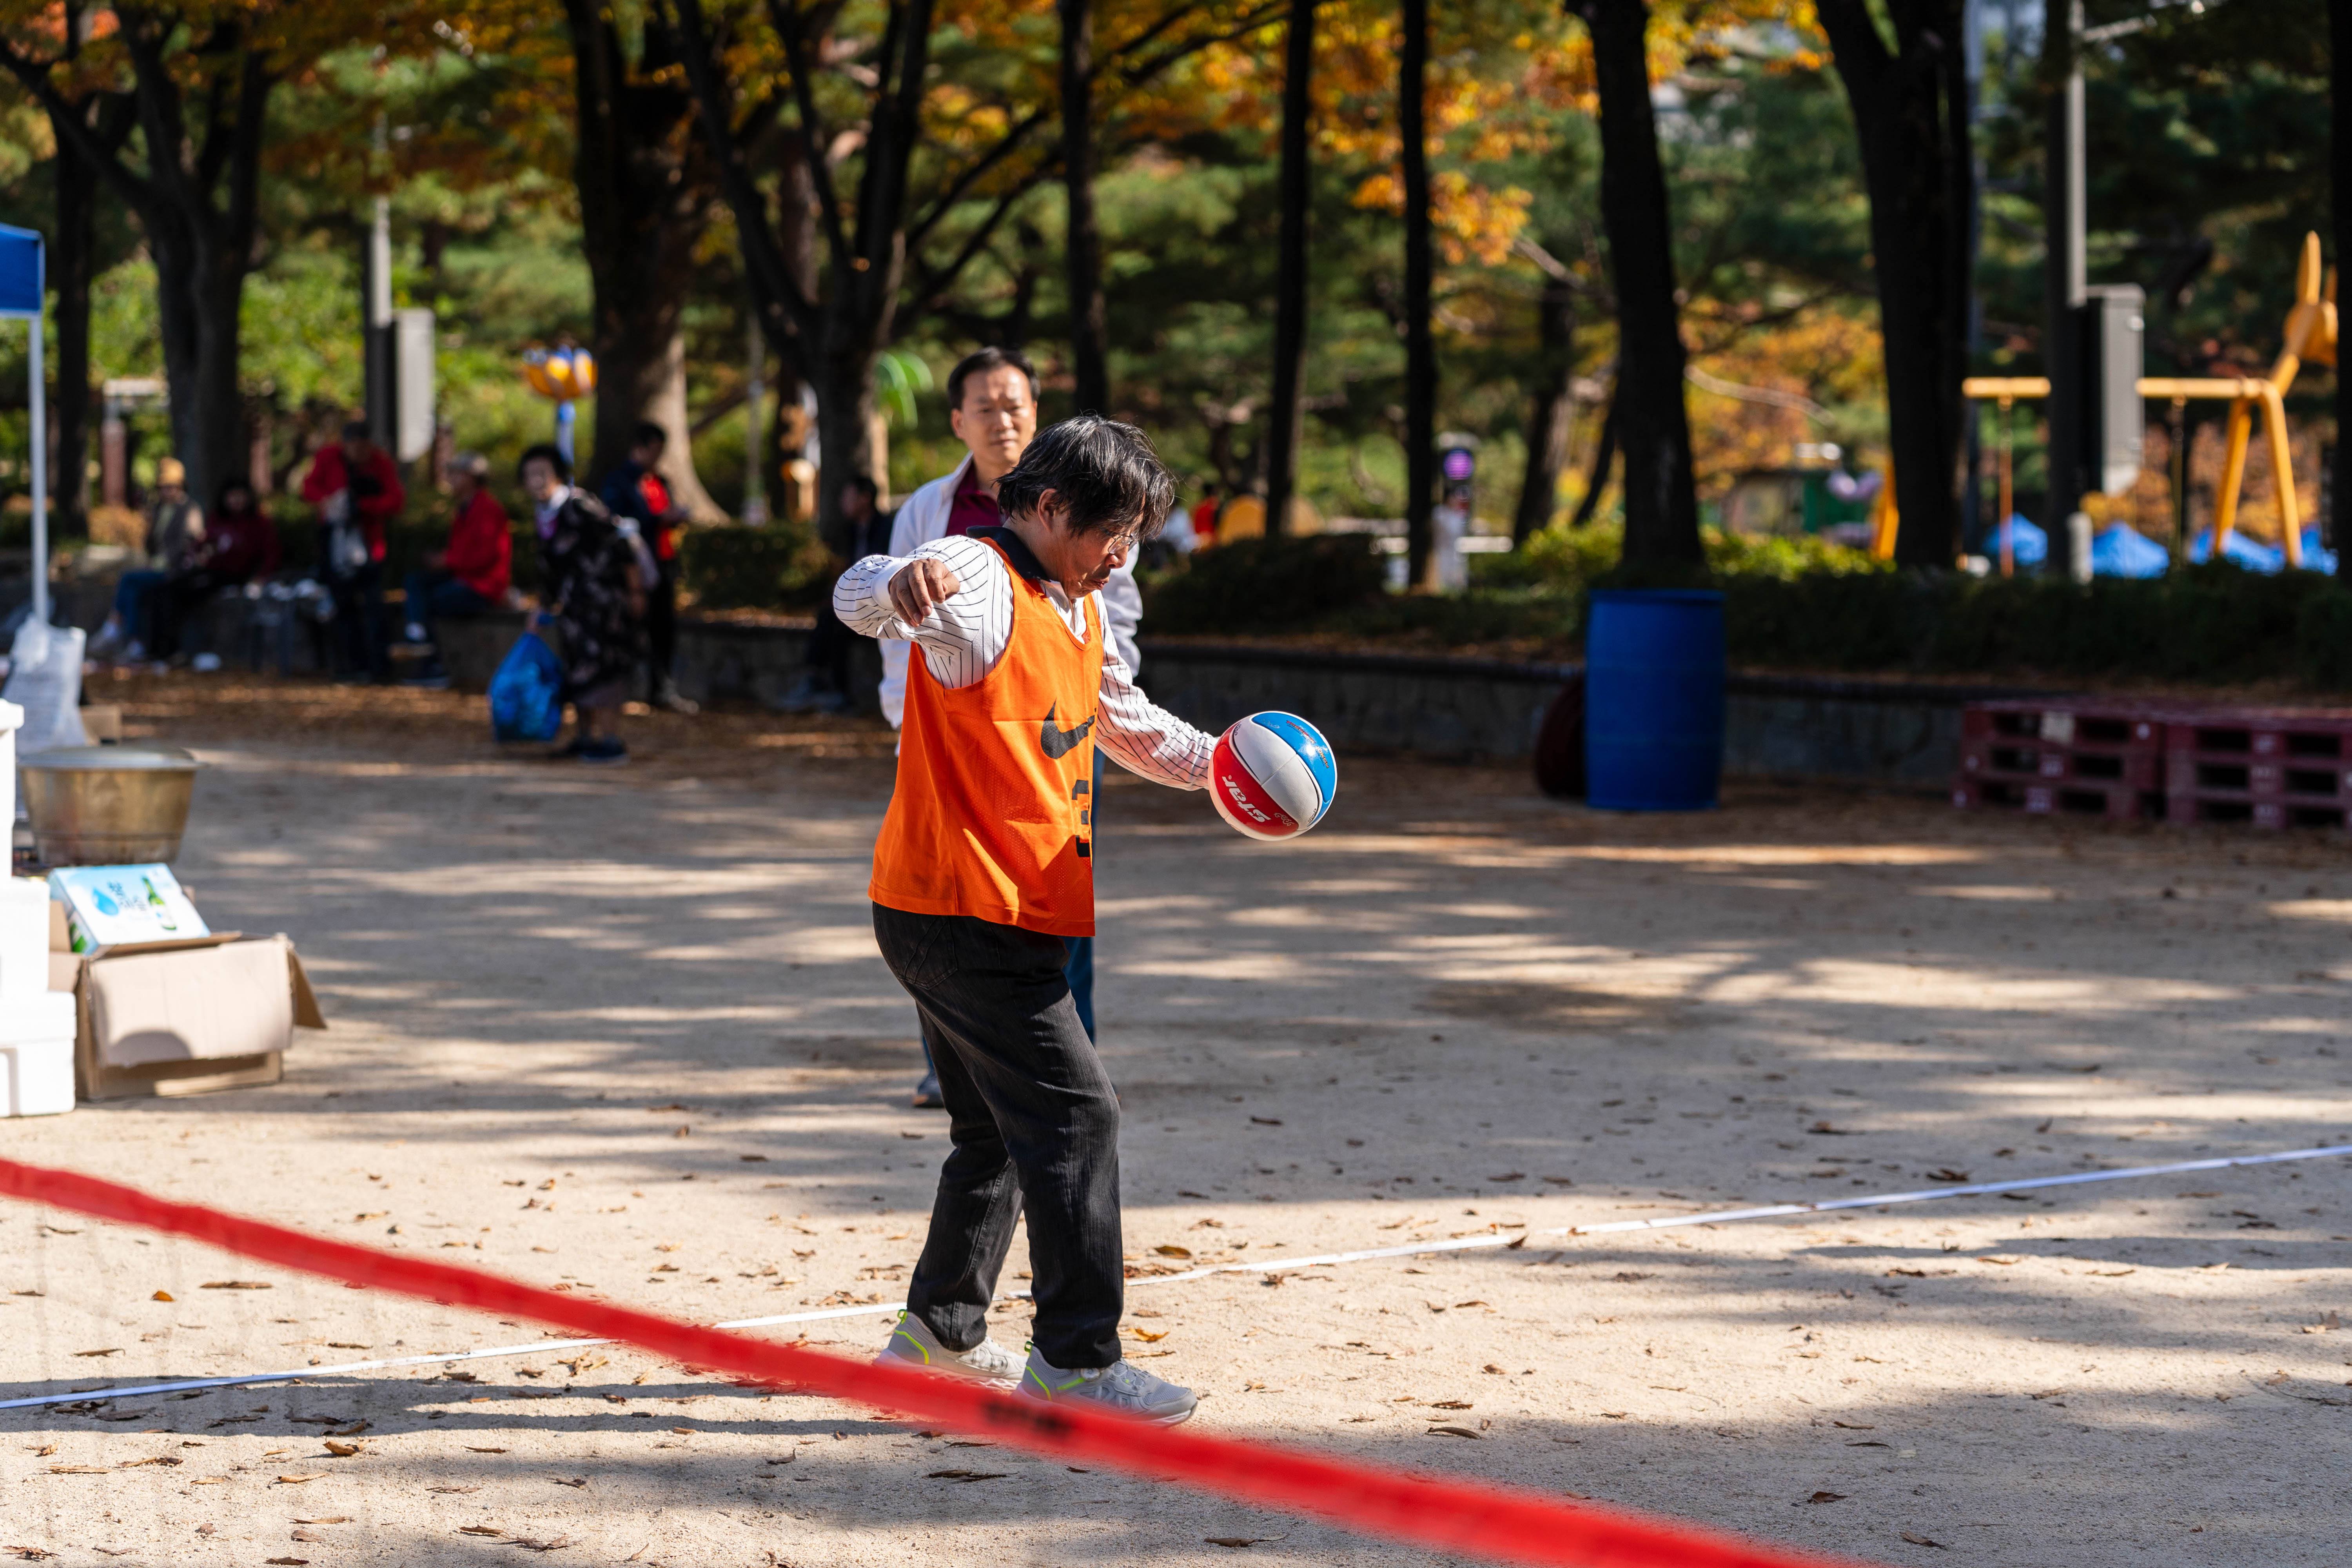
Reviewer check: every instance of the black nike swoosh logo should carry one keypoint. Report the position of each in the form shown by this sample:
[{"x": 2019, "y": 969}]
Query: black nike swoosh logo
[{"x": 1059, "y": 743}]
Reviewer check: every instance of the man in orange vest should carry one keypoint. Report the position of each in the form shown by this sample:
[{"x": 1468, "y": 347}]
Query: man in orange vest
[{"x": 985, "y": 864}]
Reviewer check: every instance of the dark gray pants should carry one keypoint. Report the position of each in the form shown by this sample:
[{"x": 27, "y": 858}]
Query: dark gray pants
[{"x": 1034, "y": 1124}]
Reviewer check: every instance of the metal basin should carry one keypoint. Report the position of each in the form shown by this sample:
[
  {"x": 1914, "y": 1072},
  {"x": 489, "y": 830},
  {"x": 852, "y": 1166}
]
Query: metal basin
[{"x": 109, "y": 805}]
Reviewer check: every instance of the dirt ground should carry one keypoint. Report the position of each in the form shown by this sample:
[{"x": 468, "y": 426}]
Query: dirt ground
[{"x": 626, "y": 1032}]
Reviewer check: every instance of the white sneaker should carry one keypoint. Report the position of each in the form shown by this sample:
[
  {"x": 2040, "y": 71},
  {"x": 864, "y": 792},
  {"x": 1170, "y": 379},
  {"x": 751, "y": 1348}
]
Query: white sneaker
[
  {"x": 912, "y": 1343},
  {"x": 1122, "y": 1387}
]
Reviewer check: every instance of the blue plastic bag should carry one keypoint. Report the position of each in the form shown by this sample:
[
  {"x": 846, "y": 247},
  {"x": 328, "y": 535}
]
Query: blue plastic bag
[{"x": 526, "y": 693}]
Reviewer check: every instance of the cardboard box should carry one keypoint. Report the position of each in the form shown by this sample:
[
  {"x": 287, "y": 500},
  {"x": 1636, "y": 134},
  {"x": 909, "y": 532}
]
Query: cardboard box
[
  {"x": 37, "y": 1055},
  {"x": 24, "y": 939},
  {"x": 185, "y": 1018},
  {"x": 107, "y": 906}
]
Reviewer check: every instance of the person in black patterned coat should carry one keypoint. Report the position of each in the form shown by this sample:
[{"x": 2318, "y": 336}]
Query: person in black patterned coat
[{"x": 592, "y": 587}]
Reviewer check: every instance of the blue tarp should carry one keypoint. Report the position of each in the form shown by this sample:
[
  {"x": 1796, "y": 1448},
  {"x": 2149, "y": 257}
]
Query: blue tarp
[
  {"x": 2258, "y": 557},
  {"x": 2028, "y": 545},
  {"x": 2122, "y": 550},
  {"x": 20, "y": 272}
]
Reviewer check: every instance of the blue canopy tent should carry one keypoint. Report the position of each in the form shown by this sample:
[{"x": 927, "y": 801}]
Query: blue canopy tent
[{"x": 20, "y": 300}]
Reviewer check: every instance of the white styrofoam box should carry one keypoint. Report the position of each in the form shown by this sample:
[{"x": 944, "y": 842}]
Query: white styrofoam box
[
  {"x": 23, "y": 936},
  {"x": 12, "y": 719},
  {"x": 37, "y": 1052}
]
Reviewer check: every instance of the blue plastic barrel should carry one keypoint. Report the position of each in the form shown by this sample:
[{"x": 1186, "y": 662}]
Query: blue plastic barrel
[{"x": 1654, "y": 670}]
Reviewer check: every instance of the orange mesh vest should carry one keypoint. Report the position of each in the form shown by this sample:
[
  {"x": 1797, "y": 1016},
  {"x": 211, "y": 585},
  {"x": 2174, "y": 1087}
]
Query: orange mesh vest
[{"x": 991, "y": 816}]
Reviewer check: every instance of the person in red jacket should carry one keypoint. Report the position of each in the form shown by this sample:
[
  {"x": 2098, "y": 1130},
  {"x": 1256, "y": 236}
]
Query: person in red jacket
[
  {"x": 357, "y": 490},
  {"x": 472, "y": 574}
]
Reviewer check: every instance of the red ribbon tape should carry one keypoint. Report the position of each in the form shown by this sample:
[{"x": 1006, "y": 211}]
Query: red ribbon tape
[{"x": 1492, "y": 1521}]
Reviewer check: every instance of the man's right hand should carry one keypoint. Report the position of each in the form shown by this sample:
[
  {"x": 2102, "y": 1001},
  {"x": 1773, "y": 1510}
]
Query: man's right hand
[{"x": 921, "y": 583}]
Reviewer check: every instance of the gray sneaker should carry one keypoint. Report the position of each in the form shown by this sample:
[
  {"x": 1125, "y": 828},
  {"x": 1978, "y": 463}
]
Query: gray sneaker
[
  {"x": 1122, "y": 1387},
  {"x": 912, "y": 1343}
]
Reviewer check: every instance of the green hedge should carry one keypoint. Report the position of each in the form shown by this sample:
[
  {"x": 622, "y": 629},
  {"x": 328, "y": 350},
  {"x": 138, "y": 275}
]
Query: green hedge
[
  {"x": 1799, "y": 605},
  {"x": 1261, "y": 586},
  {"x": 779, "y": 567}
]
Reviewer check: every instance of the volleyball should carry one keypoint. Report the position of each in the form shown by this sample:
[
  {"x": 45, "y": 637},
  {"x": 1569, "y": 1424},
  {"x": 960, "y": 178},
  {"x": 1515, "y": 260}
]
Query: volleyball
[{"x": 1273, "y": 777}]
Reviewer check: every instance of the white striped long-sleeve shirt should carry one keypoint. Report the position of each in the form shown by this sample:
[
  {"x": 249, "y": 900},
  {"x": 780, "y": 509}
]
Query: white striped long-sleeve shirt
[{"x": 966, "y": 634}]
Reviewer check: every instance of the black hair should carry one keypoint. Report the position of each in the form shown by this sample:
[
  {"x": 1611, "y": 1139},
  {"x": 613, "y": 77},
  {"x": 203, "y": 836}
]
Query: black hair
[
  {"x": 235, "y": 482},
  {"x": 980, "y": 362},
  {"x": 648, "y": 434},
  {"x": 1104, "y": 473},
  {"x": 356, "y": 431},
  {"x": 553, "y": 456},
  {"x": 862, "y": 482}
]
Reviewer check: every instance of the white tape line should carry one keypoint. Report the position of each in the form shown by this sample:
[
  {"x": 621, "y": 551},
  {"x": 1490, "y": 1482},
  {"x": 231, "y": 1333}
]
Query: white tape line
[{"x": 1406, "y": 1249}]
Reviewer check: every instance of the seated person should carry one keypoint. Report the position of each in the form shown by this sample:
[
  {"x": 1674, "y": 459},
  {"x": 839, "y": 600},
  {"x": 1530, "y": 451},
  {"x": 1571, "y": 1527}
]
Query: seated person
[
  {"x": 175, "y": 525},
  {"x": 238, "y": 544},
  {"x": 472, "y": 574}
]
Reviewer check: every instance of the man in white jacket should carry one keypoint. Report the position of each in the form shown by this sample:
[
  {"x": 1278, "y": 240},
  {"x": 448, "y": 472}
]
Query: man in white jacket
[{"x": 992, "y": 409}]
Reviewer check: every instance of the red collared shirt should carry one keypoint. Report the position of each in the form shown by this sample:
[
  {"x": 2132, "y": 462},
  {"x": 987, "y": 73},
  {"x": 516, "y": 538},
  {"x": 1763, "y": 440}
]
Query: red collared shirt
[{"x": 973, "y": 507}]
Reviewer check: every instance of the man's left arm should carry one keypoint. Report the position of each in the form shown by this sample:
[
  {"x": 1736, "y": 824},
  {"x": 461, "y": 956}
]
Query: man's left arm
[{"x": 1146, "y": 739}]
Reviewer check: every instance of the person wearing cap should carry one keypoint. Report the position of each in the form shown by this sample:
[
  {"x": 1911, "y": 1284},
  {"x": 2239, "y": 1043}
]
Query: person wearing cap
[
  {"x": 175, "y": 533},
  {"x": 357, "y": 490},
  {"x": 471, "y": 574}
]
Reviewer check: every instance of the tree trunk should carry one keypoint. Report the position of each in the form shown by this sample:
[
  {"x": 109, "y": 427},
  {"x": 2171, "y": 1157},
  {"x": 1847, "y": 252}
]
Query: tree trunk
[
  {"x": 1550, "y": 409},
  {"x": 1910, "y": 111},
  {"x": 1090, "y": 318},
  {"x": 1604, "y": 453},
  {"x": 69, "y": 270},
  {"x": 1286, "y": 415},
  {"x": 2339, "y": 132},
  {"x": 1419, "y": 351},
  {"x": 846, "y": 411},
  {"x": 1652, "y": 422},
  {"x": 645, "y": 187}
]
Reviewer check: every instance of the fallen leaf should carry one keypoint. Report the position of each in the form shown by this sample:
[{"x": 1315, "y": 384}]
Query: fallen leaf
[
  {"x": 236, "y": 1285},
  {"x": 1173, "y": 1251},
  {"x": 1923, "y": 1541},
  {"x": 287, "y": 1562},
  {"x": 1855, "y": 1426},
  {"x": 157, "y": 1459},
  {"x": 528, "y": 1544},
  {"x": 674, "y": 1431},
  {"x": 116, "y": 1350},
  {"x": 480, "y": 1530},
  {"x": 1947, "y": 1174},
  {"x": 1450, "y": 1432},
  {"x": 752, "y": 1159},
  {"x": 162, "y": 1296},
  {"x": 32, "y": 1554},
  {"x": 1452, "y": 1404},
  {"x": 343, "y": 1451},
  {"x": 308, "y": 1535},
  {"x": 575, "y": 1481},
  {"x": 1511, "y": 1176},
  {"x": 471, "y": 1449},
  {"x": 462, "y": 1376},
  {"x": 1148, "y": 1337},
  {"x": 354, "y": 1430},
  {"x": 298, "y": 1480},
  {"x": 79, "y": 1470},
  {"x": 1827, "y": 1497},
  {"x": 210, "y": 1481},
  {"x": 1267, "y": 1120},
  {"x": 2113, "y": 1273},
  {"x": 1238, "y": 1542},
  {"x": 326, "y": 1518},
  {"x": 44, "y": 1451},
  {"x": 966, "y": 1476},
  {"x": 2004, "y": 1262},
  {"x": 1627, "y": 1277},
  {"x": 459, "y": 1490}
]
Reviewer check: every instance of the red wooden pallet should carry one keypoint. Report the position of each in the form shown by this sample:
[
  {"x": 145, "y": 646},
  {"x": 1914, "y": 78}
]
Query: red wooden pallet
[
  {"x": 2275, "y": 768},
  {"x": 2116, "y": 802}
]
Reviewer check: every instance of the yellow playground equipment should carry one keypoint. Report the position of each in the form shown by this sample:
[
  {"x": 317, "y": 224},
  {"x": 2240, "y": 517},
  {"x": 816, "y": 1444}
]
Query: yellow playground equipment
[{"x": 2309, "y": 337}]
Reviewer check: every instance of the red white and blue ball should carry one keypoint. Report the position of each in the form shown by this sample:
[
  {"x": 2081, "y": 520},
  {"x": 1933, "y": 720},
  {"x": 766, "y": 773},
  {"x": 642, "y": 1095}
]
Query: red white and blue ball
[{"x": 1273, "y": 777}]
